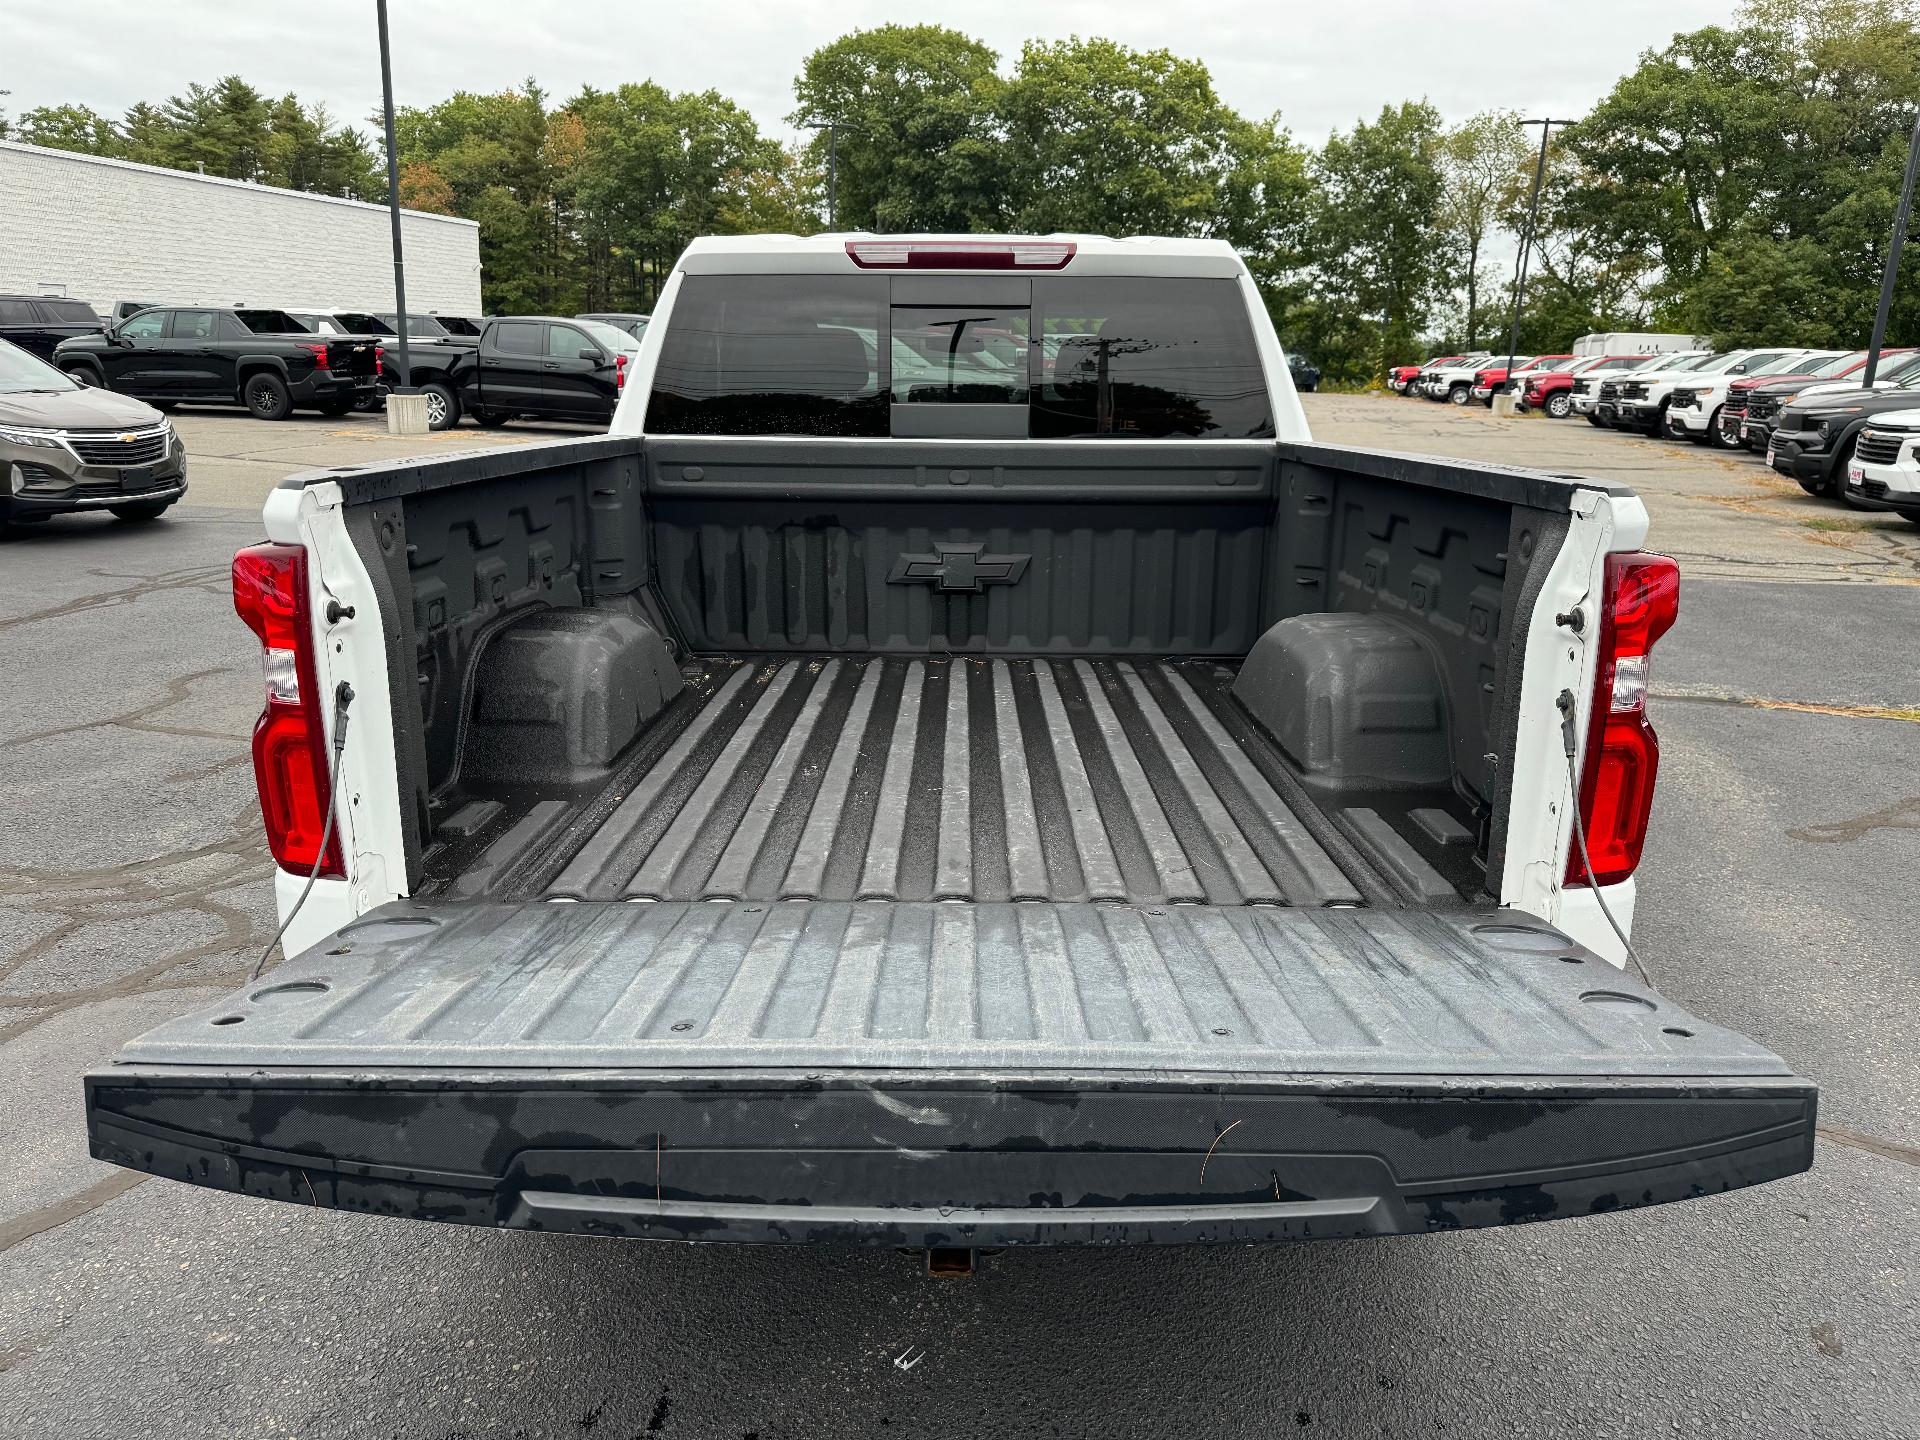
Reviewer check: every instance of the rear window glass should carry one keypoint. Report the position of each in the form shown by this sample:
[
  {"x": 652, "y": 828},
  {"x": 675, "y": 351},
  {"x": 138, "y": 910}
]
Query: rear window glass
[
  {"x": 959, "y": 354},
  {"x": 830, "y": 355},
  {"x": 70, "y": 312},
  {"x": 267, "y": 322},
  {"x": 773, "y": 355},
  {"x": 1146, "y": 358}
]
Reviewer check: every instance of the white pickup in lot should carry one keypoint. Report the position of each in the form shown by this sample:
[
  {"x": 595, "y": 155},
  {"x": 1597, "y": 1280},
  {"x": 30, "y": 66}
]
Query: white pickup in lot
[
  {"x": 956, "y": 750},
  {"x": 1884, "y": 473}
]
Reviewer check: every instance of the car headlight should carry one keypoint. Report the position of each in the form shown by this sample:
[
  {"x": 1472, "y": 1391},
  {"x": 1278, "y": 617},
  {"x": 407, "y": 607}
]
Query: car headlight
[{"x": 38, "y": 439}]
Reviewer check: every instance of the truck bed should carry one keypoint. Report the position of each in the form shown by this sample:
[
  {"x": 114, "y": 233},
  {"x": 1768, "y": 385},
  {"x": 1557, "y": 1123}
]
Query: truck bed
[{"x": 843, "y": 778}]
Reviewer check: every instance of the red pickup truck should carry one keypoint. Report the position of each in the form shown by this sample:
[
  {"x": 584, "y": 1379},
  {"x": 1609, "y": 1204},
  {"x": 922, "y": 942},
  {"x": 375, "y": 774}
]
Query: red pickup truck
[
  {"x": 1488, "y": 382},
  {"x": 1554, "y": 390}
]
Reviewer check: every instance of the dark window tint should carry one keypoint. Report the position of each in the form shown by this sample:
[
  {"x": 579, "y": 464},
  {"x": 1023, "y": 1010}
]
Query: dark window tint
[
  {"x": 147, "y": 325},
  {"x": 1147, "y": 358},
  {"x": 773, "y": 355},
  {"x": 266, "y": 322},
  {"x": 15, "y": 312},
  {"x": 195, "y": 325},
  {"x": 959, "y": 354},
  {"x": 521, "y": 337},
  {"x": 70, "y": 312},
  {"x": 458, "y": 325}
]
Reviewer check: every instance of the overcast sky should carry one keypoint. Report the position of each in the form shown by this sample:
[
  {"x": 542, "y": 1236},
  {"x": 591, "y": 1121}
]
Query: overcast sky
[{"x": 1321, "y": 63}]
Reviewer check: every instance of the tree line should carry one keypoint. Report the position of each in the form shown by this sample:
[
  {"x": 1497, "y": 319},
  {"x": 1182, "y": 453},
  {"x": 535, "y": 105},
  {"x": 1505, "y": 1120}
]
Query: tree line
[{"x": 1739, "y": 182}]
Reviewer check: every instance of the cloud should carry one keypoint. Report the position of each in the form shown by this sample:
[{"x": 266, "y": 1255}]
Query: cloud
[{"x": 1322, "y": 66}]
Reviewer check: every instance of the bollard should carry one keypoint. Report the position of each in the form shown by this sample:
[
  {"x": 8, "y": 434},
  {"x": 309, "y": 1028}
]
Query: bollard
[
  {"x": 406, "y": 414},
  {"x": 1505, "y": 407}
]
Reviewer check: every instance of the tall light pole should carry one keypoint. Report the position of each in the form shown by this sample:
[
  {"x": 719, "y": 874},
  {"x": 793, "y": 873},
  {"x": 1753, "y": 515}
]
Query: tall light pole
[
  {"x": 393, "y": 205},
  {"x": 1900, "y": 217},
  {"x": 1526, "y": 237},
  {"x": 833, "y": 129}
]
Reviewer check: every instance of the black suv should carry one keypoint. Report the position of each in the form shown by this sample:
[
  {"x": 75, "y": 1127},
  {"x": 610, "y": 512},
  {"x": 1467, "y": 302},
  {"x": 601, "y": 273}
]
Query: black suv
[
  {"x": 37, "y": 323},
  {"x": 262, "y": 359}
]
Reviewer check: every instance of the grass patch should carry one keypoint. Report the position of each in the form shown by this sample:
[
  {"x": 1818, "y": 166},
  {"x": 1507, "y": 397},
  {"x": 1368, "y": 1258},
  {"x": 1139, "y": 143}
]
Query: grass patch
[{"x": 1832, "y": 524}]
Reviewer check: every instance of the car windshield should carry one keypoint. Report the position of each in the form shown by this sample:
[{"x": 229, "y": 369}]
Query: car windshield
[
  {"x": 424, "y": 326},
  {"x": 24, "y": 374},
  {"x": 1840, "y": 364},
  {"x": 611, "y": 336},
  {"x": 1819, "y": 363},
  {"x": 70, "y": 312},
  {"x": 1784, "y": 365}
]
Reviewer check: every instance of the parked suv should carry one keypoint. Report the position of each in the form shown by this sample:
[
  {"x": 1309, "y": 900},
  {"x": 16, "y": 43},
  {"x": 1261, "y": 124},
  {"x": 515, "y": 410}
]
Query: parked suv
[
  {"x": 1884, "y": 473},
  {"x": 1814, "y": 438},
  {"x": 37, "y": 323},
  {"x": 67, "y": 448},
  {"x": 262, "y": 359}
]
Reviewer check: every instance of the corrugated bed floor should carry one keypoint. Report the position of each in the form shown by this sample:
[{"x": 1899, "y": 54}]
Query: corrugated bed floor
[{"x": 938, "y": 779}]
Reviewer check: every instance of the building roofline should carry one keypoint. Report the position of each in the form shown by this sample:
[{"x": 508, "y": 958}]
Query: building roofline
[{"x": 50, "y": 152}]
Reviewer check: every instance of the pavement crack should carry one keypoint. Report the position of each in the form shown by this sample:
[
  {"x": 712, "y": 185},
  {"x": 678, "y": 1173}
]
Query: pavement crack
[
  {"x": 1872, "y": 1144},
  {"x": 52, "y": 1217},
  {"x": 199, "y": 577}
]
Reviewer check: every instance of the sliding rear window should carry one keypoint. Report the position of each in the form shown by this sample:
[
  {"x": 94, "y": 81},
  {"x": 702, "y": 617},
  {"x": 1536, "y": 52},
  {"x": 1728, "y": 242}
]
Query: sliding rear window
[
  {"x": 773, "y": 355},
  {"x": 1049, "y": 357}
]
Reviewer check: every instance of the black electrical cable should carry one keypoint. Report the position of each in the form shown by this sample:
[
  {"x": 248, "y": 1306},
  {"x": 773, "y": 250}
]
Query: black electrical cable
[
  {"x": 1566, "y": 704},
  {"x": 342, "y": 698}
]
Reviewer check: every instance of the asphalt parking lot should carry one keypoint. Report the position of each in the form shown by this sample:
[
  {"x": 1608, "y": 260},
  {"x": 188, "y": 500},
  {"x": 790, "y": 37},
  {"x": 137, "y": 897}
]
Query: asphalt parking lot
[{"x": 1777, "y": 896}]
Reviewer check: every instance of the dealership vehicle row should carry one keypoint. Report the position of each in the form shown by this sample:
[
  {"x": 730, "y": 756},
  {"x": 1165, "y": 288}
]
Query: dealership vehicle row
[{"x": 1812, "y": 413}]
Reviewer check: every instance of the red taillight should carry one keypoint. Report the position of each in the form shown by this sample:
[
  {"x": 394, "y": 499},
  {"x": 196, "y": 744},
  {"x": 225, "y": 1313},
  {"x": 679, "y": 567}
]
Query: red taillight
[
  {"x": 1639, "y": 605},
  {"x": 379, "y": 360},
  {"x": 319, "y": 353},
  {"x": 290, "y": 741},
  {"x": 620, "y": 370},
  {"x": 961, "y": 254}
]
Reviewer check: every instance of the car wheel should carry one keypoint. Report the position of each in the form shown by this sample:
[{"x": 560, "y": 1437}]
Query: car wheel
[
  {"x": 1560, "y": 406},
  {"x": 1459, "y": 395},
  {"x": 490, "y": 419},
  {"x": 1718, "y": 437},
  {"x": 1837, "y": 485},
  {"x": 84, "y": 375},
  {"x": 135, "y": 514},
  {"x": 266, "y": 397},
  {"x": 334, "y": 409},
  {"x": 443, "y": 407},
  {"x": 1595, "y": 421}
]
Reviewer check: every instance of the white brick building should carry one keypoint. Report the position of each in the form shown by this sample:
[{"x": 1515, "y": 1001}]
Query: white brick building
[{"x": 106, "y": 230}]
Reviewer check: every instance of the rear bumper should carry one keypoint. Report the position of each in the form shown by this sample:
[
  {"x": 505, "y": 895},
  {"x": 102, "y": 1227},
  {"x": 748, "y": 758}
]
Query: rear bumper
[{"x": 968, "y": 1160}]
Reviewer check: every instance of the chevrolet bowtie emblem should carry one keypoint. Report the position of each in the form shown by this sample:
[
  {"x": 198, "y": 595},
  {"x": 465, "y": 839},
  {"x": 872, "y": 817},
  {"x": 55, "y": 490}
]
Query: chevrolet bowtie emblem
[
  {"x": 124, "y": 439},
  {"x": 958, "y": 567}
]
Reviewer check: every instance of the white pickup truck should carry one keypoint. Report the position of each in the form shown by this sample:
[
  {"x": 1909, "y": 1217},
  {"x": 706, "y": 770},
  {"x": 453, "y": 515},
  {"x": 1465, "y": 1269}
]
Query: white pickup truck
[
  {"x": 1644, "y": 397},
  {"x": 1033, "y": 794},
  {"x": 1454, "y": 383}
]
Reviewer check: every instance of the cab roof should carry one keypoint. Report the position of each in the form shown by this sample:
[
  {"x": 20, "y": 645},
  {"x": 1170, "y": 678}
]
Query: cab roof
[{"x": 833, "y": 254}]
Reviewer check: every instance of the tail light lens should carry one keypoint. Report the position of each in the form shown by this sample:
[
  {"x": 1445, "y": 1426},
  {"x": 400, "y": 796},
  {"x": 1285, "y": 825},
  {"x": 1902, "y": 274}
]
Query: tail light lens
[
  {"x": 379, "y": 360},
  {"x": 290, "y": 741},
  {"x": 319, "y": 353},
  {"x": 1640, "y": 603},
  {"x": 620, "y": 370},
  {"x": 961, "y": 254}
]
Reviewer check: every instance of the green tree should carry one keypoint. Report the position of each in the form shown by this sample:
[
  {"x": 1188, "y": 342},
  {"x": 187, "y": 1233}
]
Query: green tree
[
  {"x": 1377, "y": 248},
  {"x": 1479, "y": 159},
  {"x": 1120, "y": 142},
  {"x": 917, "y": 146},
  {"x": 68, "y": 127}
]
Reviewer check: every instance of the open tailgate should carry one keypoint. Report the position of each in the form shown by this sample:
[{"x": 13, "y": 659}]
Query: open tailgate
[{"x": 952, "y": 1074}]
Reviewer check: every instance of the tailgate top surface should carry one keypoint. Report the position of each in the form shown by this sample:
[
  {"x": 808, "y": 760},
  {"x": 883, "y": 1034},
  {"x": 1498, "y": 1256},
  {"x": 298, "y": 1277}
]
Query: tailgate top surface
[{"x": 954, "y": 986}]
